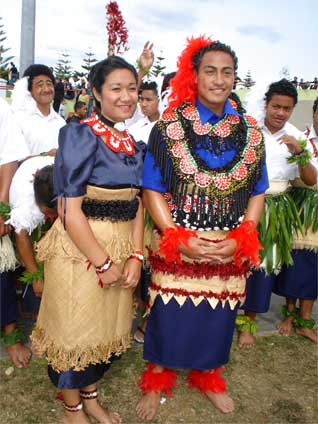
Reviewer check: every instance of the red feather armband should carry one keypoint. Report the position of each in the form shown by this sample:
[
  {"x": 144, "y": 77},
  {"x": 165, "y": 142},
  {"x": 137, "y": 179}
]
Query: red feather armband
[
  {"x": 247, "y": 243},
  {"x": 170, "y": 240}
]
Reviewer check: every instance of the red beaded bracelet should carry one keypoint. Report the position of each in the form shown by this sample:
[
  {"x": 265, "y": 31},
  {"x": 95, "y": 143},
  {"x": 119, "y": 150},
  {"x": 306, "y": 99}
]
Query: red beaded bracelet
[
  {"x": 105, "y": 266},
  {"x": 137, "y": 255}
]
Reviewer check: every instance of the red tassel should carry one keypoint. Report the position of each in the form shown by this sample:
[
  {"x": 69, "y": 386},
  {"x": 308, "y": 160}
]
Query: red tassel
[
  {"x": 151, "y": 381},
  {"x": 211, "y": 381},
  {"x": 171, "y": 238},
  {"x": 248, "y": 245}
]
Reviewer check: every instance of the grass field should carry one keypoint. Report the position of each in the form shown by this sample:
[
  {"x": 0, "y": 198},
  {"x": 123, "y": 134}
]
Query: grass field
[{"x": 275, "y": 383}]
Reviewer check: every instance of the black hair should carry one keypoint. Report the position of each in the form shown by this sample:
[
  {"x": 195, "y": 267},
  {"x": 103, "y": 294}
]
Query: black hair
[
  {"x": 282, "y": 87},
  {"x": 102, "y": 69},
  {"x": 315, "y": 105},
  {"x": 35, "y": 70},
  {"x": 216, "y": 46},
  {"x": 79, "y": 105},
  {"x": 166, "y": 81},
  {"x": 43, "y": 188},
  {"x": 152, "y": 86},
  {"x": 237, "y": 100}
]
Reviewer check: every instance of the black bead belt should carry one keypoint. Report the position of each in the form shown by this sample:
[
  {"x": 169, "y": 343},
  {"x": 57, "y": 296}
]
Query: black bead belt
[{"x": 110, "y": 210}]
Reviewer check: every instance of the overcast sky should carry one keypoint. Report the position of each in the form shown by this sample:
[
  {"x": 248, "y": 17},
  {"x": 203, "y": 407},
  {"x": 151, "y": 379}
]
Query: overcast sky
[{"x": 266, "y": 35}]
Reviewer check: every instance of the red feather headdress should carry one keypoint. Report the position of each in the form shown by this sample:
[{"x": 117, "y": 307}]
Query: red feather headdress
[{"x": 183, "y": 85}]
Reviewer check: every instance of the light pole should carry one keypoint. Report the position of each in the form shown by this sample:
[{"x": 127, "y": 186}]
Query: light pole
[{"x": 27, "y": 35}]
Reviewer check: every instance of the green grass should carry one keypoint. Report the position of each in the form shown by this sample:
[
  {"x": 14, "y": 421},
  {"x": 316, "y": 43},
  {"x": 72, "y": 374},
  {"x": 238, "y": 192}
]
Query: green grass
[{"x": 274, "y": 383}]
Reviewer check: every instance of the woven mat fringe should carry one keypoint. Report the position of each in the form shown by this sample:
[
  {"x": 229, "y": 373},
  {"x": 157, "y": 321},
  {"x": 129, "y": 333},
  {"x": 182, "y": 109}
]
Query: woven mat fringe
[{"x": 78, "y": 358}]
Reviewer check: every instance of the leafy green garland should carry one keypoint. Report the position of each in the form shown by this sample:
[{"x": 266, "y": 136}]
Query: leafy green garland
[
  {"x": 303, "y": 158},
  {"x": 9, "y": 339},
  {"x": 245, "y": 323},
  {"x": 306, "y": 201},
  {"x": 279, "y": 220},
  {"x": 29, "y": 277}
]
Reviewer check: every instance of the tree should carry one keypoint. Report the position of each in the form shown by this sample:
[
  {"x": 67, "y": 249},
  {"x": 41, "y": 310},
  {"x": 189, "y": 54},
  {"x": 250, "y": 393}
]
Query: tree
[
  {"x": 4, "y": 61},
  {"x": 157, "y": 68},
  {"x": 248, "y": 81},
  {"x": 63, "y": 69},
  {"x": 116, "y": 30},
  {"x": 88, "y": 60}
]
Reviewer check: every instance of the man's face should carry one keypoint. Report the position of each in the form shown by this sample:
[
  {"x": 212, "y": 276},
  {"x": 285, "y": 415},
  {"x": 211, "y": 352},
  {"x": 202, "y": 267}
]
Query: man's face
[
  {"x": 149, "y": 103},
  {"x": 82, "y": 111},
  {"x": 215, "y": 79},
  {"x": 278, "y": 112},
  {"x": 315, "y": 121},
  {"x": 42, "y": 90}
]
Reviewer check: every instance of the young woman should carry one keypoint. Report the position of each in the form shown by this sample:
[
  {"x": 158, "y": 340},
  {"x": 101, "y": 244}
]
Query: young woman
[{"x": 92, "y": 253}]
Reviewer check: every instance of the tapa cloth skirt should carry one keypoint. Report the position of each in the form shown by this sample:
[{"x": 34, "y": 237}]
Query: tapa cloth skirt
[{"x": 79, "y": 322}]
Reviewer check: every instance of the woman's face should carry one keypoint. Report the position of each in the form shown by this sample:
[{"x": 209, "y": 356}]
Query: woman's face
[{"x": 118, "y": 96}]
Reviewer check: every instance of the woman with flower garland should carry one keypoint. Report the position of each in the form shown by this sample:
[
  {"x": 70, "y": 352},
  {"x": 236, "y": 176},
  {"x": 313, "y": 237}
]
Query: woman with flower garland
[
  {"x": 204, "y": 179},
  {"x": 92, "y": 254}
]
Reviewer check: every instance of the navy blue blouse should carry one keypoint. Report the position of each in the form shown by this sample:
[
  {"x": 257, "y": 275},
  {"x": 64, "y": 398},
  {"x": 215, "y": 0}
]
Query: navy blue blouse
[{"x": 83, "y": 158}]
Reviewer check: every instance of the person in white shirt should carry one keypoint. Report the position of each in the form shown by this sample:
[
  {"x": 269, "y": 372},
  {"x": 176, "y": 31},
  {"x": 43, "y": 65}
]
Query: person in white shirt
[
  {"x": 281, "y": 140},
  {"x": 12, "y": 150},
  {"x": 32, "y": 104},
  {"x": 32, "y": 100}
]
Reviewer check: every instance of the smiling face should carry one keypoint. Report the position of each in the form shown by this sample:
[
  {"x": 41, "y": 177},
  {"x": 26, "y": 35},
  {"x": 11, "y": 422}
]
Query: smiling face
[
  {"x": 215, "y": 79},
  {"x": 278, "y": 111},
  {"x": 42, "y": 90},
  {"x": 118, "y": 95}
]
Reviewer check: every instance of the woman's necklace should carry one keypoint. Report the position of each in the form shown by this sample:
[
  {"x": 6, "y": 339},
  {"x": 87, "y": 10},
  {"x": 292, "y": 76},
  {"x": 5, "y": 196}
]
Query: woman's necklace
[{"x": 111, "y": 139}]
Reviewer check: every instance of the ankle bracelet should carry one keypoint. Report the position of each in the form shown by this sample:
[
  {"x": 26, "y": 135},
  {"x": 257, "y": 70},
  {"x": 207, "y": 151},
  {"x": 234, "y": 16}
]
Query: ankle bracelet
[
  {"x": 88, "y": 395},
  {"x": 73, "y": 408}
]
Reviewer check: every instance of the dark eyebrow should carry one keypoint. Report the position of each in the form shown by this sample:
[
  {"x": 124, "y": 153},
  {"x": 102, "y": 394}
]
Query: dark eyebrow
[{"x": 214, "y": 67}]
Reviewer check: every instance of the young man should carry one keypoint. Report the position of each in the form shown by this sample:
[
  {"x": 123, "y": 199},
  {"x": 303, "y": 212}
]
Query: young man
[
  {"x": 80, "y": 112},
  {"x": 149, "y": 105},
  {"x": 40, "y": 125},
  {"x": 282, "y": 141},
  {"x": 300, "y": 280},
  {"x": 204, "y": 179}
]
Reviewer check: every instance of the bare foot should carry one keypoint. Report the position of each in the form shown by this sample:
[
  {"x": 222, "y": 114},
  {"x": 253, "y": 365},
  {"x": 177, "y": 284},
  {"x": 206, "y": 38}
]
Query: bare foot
[
  {"x": 285, "y": 327},
  {"x": 102, "y": 415},
  {"x": 148, "y": 405},
  {"x": 221, "y": 401},
  {"x": 19, "y": 354},
  {"x": 306, "y": 332},
  {"x": 245, "y": 339},
  {"x": 78, "y": 417}
]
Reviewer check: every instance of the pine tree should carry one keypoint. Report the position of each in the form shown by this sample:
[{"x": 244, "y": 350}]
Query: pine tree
[
  {"x": 4, "y": 61},
  {"x": 88, "y": 60},
  {"x": 158, "y": 68},
  {"x": 63, "y": 68},
  {"x": 248, "y": 81}
]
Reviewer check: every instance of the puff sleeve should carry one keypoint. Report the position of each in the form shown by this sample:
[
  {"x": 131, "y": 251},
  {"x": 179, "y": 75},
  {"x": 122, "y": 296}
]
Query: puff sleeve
[{"x": 75, "y": 160}]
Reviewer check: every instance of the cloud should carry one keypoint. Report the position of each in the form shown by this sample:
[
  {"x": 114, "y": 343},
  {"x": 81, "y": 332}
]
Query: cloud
[{"x": 265, "y": 33}]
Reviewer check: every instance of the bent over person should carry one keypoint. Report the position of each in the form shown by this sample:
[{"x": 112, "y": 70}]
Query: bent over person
[{"x": 204, "y": 181}]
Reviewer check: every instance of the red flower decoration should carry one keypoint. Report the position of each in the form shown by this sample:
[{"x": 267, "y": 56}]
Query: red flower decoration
[
  {"x": 233, "y": 119},
  {"x": 251, "y": 120},
  {"x": 250, "y": 156},
  {"x": 202, "y": 179},
  {"x": 189, "y": 112},
  {"x": 117, "y": 31},
  {"x": 175, "y": 131},
  {"x": 186, "y": 166},
  {"x": 223, "y": 130},
  {"x": 240, "y": 173},
  {"x": 200, "y": 129},
  {"x": 168, "y": 116},
  {"x": 178, "y": 150}
]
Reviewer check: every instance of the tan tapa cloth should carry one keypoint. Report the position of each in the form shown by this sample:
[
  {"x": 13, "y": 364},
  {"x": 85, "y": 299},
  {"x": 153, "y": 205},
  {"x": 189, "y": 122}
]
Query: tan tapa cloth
[
  {"x": 79, "y": 322},
  {"x": 198, "y": 289}
]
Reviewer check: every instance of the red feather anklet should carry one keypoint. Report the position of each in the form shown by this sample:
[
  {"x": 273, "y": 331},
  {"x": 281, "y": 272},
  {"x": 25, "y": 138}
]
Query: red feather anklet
[
  {"x": 211, "y": 381},
  {"x": 171, "y": 238},
  {"x": 247, "y": 243},
  {"x": 151, "y": 381}
]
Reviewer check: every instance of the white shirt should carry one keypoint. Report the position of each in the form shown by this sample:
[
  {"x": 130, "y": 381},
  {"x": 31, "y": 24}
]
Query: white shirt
[
  {"x": 40, "y": 132},
  {"x": 276, "y": 154},
  {"x": 12, "y": 144},
  {"x": 141, "y": 129},
  {"x": 312, "y": 135}
]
